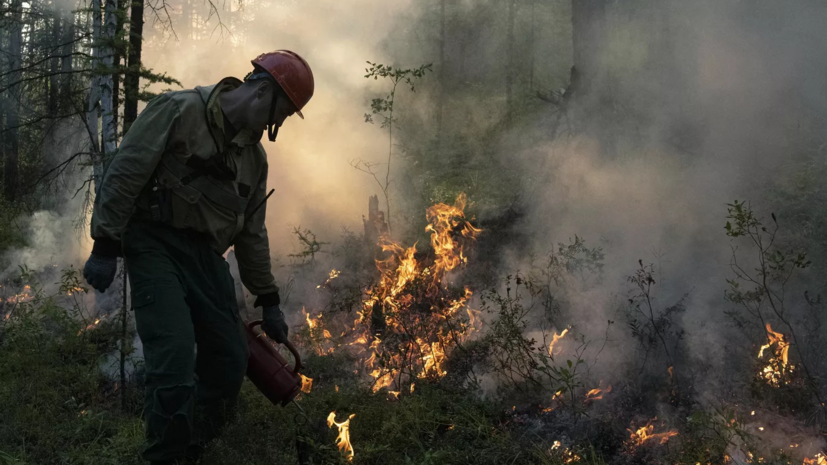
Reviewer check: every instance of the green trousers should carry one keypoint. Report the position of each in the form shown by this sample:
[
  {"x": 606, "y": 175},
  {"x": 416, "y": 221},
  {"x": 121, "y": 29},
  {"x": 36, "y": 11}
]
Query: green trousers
[{"x": 195, "y": 348}]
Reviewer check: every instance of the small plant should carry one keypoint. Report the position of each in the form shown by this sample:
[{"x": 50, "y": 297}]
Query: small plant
[
  {"x": 524, "y": 363},
  {"x": 571, "y": 268},
  {"x": 651, "y": 327},
  {"x": 383, "y": 108},
  {"x": 310, "y": 245}
]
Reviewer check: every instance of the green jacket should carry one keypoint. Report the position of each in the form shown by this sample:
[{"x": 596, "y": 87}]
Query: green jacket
[{"x": 176, "y": 134}]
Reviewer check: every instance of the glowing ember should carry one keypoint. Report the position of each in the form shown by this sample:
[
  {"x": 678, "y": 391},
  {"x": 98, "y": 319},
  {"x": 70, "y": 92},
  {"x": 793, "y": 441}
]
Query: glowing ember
[
  {"x": 777, "y": 370},
  {"x": 343, "y": 439},
  {"x": 597, "y": 394},
  {"x": 333, "y": 275},
  {"x": 563, "y": 453},
  {"x": 307, "y": 384},
  {"x": 819, "y": 459},
  {"x": 93, "y": 325},
  {"x": 74, "y": 290},
  {"x": 646, "y": 433},
  {"x": 24, "y": 296},
  {"x": 555, "y": 399},
  {"x": 554, "y": 340}
]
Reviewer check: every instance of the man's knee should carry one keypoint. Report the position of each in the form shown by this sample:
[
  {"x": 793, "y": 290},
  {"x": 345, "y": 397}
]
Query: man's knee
[{"x": 169, "y": 421}]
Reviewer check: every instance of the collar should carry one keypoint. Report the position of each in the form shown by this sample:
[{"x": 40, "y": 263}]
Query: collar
[{"x": 215, "y": 118}]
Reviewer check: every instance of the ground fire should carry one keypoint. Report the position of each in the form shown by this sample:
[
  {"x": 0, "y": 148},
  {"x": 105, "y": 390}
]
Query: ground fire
[
  {"x": 646, "y": 433},
  {"x": 343, "y": 439}
]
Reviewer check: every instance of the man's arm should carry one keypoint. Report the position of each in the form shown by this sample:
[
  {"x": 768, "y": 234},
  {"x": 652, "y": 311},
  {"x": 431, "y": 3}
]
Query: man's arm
[
  {"x": 252, "y": 248},
  {"x": 128, "y": 172}
]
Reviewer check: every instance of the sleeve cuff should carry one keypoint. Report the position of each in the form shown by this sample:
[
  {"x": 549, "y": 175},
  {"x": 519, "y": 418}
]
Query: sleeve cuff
[
  {"x": 267, "y": 300},
  {"x": 105, "y": 247}
]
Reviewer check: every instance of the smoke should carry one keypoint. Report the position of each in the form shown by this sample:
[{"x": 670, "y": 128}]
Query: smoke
[
  {"x": 56, "y": 236},
  {"x": 709, "y": 104}
]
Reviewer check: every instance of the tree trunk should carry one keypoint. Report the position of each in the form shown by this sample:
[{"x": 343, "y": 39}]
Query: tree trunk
[
  {"x": 109, "y": 130},
  {"x": 12, "y": 107},
  {"x": 68, "y": 42},
  {"x": 93, "y": 109},
  {"x": 54, "y": 64},
  {"x": 132, "y": 78},
  {"x": 588, "y": 21},
  {"x": 441, "y": 98},
  {"x": 116, "y": 61},
  {"x": 509, "y": 72},
  {"x": 532, "y": 49}
]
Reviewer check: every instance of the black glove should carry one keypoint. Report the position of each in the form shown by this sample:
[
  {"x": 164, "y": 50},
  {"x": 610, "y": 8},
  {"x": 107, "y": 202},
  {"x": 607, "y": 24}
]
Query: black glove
[
  {"x": 99, "y": 271},
  {"x": 274, "y": 325}
]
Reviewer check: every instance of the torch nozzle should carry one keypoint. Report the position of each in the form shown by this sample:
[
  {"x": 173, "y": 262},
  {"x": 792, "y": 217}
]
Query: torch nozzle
[{"x": 304, "y": 414}]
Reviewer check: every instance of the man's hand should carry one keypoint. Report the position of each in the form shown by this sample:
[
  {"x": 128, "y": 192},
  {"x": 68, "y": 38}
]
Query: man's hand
[
  {"x": 274, "y": 325},
  {"x": 100, "y": 271}
]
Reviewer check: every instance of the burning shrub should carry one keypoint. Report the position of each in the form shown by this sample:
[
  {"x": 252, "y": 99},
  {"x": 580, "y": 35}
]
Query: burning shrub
[
  {"x": 761, "y": 295},
  {"x": 412, "y": 317}
]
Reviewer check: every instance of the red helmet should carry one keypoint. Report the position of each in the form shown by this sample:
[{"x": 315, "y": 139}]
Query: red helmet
[{"x": 292, "y": 73}]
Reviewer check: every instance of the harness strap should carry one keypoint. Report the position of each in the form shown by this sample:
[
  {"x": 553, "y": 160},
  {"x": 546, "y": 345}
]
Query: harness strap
[{"x": 208, "y": 188}]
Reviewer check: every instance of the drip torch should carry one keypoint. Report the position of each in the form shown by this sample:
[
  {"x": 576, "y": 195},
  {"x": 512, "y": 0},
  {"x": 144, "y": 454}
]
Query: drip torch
[{"x": 268, "y": 370}]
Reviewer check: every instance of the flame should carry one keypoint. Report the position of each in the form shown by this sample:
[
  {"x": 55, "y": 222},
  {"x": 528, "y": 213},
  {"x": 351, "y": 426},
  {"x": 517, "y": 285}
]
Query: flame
[
  {"x": 343, "y": 439},
  {"x": 312, "y": 323},
  {"x": 23, "y": 296},
  {"x": 554, "y": 340},
  {"x": 75, "y": 289},
  {"x": 92, "y": 325},
  {"x": 555, "y": 399},
  {"x": 778, "y": 369},
  {"x": 334, "y": 273},
  {"x": 645, "y": 433},
  {"x": 819, "y": 459},
  {"x": 320, "y": 335},
  {"x": 307, "y": 384},
  {"x": 597, "y": 394},
  {"x": 563, "y": 453}
]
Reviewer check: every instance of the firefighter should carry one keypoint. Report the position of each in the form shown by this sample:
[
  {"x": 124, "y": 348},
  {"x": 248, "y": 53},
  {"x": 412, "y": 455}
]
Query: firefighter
[{"x": 187, "y": 182}]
